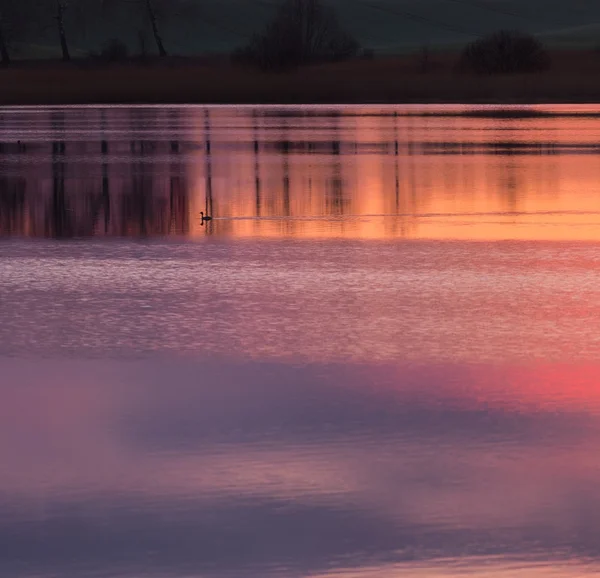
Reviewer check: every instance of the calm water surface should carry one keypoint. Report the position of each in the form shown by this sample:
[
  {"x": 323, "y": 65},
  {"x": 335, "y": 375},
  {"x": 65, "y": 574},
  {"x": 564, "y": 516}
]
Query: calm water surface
[{"x": 380, "y": 358}]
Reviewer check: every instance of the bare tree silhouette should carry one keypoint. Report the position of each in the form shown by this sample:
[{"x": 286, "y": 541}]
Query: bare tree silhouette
[
  {"x": 504, "y": 52},
  {"x": 14, "y": 20},
  {"x": 303, "y": 31},
  {"x": 61, "y": 6},
  {"x": 153, "y": 14}
]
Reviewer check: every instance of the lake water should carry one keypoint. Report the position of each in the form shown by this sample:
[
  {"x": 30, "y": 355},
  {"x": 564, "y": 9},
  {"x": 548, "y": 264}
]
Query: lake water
[{"x": 380, "y": 358}]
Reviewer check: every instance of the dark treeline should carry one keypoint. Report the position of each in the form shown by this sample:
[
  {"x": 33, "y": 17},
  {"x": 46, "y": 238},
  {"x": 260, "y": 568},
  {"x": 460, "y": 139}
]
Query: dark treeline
[
  {"x": 295, "y": 33},
  {"x": 301, "y": 31},
  {"x": 81, "y": 28}
]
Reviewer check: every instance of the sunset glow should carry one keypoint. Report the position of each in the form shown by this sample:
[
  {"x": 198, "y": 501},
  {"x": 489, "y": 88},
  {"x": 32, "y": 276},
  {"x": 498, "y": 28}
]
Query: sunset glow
[{"x": 409, "y": 177}]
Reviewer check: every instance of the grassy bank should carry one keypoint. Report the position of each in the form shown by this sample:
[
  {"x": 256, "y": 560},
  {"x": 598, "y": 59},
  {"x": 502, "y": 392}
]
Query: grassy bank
[{"x": 573, "y": 77}]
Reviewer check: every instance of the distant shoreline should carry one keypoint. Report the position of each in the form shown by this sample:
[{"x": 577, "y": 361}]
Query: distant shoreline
[{"x": 573, "y": 78}]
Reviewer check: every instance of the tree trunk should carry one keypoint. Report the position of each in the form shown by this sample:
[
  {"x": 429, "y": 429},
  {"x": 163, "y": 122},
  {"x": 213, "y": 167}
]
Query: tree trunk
[
  {"x": 60, "y": 10},
  {"x": 4, "y": 49},
  {"x": 157, "y": 38}
]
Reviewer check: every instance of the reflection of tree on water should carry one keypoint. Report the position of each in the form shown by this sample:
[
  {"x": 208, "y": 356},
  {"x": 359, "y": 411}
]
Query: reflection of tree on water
[
  {"x": 134, "y": 181},
  {"x": 396, "y": 163},
  {"x": 136, "y": 207},
  {"x": 155, "y": 200},
  {"x": 178, "y": 198},
  {"x": 136, "y": 210},
  {"x": 286, "y": 170},
  {"x": 58, "y": 219},
  {"x": 13, "y": 190},
  {"x": 103, "y": 202},
  {"x": 509, "y": 186},
  {"x": 335, "y": 202},
  {"x": 71, "y": 188},
  {"x": 12, "y": 203},
  {"x": 208, "y": 196},
  {"x": 257, "y": 187},
  {"x": 401, "y": 219},
  {"x": 105, "y": 185}
]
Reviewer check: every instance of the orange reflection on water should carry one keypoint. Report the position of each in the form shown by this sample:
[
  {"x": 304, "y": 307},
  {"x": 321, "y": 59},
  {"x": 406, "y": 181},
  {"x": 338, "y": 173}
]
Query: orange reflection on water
[
  {"x": 470, "y": 173},
  {"x": 401, "y": 176}
]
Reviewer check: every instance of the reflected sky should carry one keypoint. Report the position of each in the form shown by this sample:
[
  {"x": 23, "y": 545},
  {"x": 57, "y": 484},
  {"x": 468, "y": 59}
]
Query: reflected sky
[
  {"x": 443, "y": 172},
  {"x": 316, "y": 300},
  {"x": 205, "y": 468},
  {"x": 331, "y": 378},
  {"x": 285, "y": 408}
]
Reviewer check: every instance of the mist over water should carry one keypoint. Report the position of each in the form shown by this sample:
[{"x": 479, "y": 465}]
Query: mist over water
[{"x": 380, "y": 357}]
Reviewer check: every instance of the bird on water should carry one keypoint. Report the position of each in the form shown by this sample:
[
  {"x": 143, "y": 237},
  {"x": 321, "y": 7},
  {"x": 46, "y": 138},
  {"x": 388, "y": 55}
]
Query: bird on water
[{"x": 203, "y": 218}]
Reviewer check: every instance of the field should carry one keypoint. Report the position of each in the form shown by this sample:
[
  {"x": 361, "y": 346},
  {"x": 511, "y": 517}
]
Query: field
[{"x": 573, "y": 77}]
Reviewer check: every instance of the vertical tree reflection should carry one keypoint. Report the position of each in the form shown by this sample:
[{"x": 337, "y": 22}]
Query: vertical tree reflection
[
  {"x": 13, "y": 195},
  {"x": 257, "y": 186},
  {"x": 136, "y": 202},
  {"x": 98, "y": 202},
  {"x": 59, "y": 222},
  {"x": 126, "y": 174},
  {"x": 105, "y": 180},
  {"x": 509, "y": 185},
  {"x": 335, "y": 201},
  {"x": 208, "y": 200},
  {"x": 396, "y": 163},
  {"x": 12, "y": 204},
  {"x": 285, "y": 149},
  {"x": 178, "y": 197}
]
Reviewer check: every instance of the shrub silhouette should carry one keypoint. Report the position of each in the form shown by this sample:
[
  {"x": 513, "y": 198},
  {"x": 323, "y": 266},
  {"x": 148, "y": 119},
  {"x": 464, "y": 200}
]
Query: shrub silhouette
[
  {"x": 114, "y": 51},
  {"x": 505, "y": 52},
  {"x": 302, "y": 32}
]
